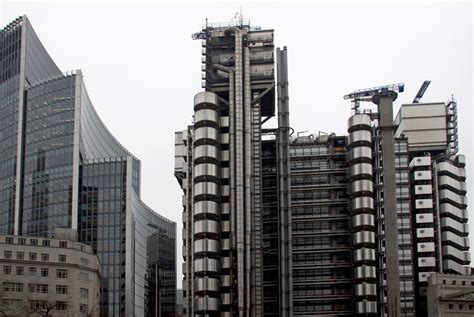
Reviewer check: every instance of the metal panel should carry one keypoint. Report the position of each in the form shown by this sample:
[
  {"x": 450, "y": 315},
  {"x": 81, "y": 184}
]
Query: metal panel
[
  {"x": 359, "y": 121},
  {"x": 206, "y": 188},
  {"x": 206, "y": 265},
  {"x": 462, "y": 256},
  {"x": 460, "y": 228},
  {"x": 206, "y": 303},
  {"x": 422, "y": 175},
  {"x": 452, "y": 196},
  {"x": 225, "y": 297},
  {"x": 423, "y": 190},
  {"x": 420, "y": 161},
  {"x": 207, "y": 284},
  {"x": 225, "y": 280},
  {"x": 206, "y": 97},
  {"x": 423, "y": 276},
  {"x": 365, "y": 272},
  {"x": 425, "y": 233},
  {"x": 206, "y": 150},
  {"x": 447, "y": 166},
  {"x": 206, "y": 169},
  {"x": 424, "y": 204},
  {"x": 206, "y": 115},
  {"x": 206, "y": 226},
  {"x": 449, "y": 181},
  {"x": 424, "y": 218},
  {"x": 206, "y": 133},
  {"x": 225, "y": 261},
  {"x": 361, "y": 169},
  {"x": 362, "y": 186},
  {"x": 364, "y": 203},
  {"x": 366, "y": 307},
  {"x": 362, "y": 220},
  {"x": 429, "y": 261},
  {"x": 206, "y": 207},
  {"x": 461, "y": 242},
  {"x": 425, "y": 247},
  {"x": 360, "y": 136},
  {"x": 363, "y": 237},
  {"x": 365, "y": 289},
  {"x": 360, "y": 152},
  {"x": 225, "y": 138},
  {"x": 461, "y": 269},
  {"x": 364, "y": 254},
  {"x": 208, "y": 246}
]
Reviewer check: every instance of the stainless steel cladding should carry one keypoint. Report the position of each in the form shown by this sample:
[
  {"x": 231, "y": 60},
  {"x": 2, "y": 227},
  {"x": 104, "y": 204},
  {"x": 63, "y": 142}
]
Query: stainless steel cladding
[
  {"x": 359, "y": 122},
  {"x": 206, "y": 133},
  {"x": 207, "y": 208},
  {"x": 365, "y": 289},
  {"x": 361, "y": 190},
  {"x": 364, "y": 272},
  {"x": 206, "y": 247},
  {"x": 207, "y": 284},
  {"x": 364, "y": 255},
  {"x": 366, "y": 308},
  {"x": 206, "y": 196},
  {"x": 206, "y": 303},
  {"x": 207, "y": 265}
]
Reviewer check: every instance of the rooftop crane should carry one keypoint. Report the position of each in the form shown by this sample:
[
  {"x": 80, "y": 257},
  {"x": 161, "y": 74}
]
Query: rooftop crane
[
  {"x": 368, "y": 94},
  {"x": 421, "y": 92}
]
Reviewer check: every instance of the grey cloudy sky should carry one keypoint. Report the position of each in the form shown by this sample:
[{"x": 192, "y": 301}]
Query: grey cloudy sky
[{"x": 142, "y": 69}]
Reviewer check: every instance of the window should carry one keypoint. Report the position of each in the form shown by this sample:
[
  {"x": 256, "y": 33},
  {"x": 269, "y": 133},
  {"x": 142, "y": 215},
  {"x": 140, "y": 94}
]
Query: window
[
  {"x": 32, "y": 271},
  {"x": 83, "y": 308},
  {"x": 62, "y": 258},
  {"x": 46, "y": 243},
  {"x": 84, "y": 262},
  {"x": 44, "y": 272},
  {"x": 12, "y": 287},
  {"x": 44, "y": 257},
  {"x": 7, "y": 270},
  {"x": 19, "y": 270},
  {"x": 61, "y": 273},
  {"x": 63, "y": 244},
  {"x": 38, "y": 304},
  {"x": 32, "y": 256},
  {"x": 13, "y": 303},
  {"x": 61, "y": 305},
  {"x": 34, "y": 241},
  {"x": 38, "y": 288},
  {"x": 84, "y": 293},
  {"x": 84, "y": 277},
  {"x": 9, "y": 240},
  {"x": 20, "y": 255},
  {"x": 62, "y": 289},
  {"x": 7, "y": 254},
  {"x": 22, "y": 241}
]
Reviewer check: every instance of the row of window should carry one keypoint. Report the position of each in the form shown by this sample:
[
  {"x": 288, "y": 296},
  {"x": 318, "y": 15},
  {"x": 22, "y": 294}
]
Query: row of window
[
  {"x": 41, "y": 288},
  {"x": 34, "y": 304},
  {"x": 44, "y": 243},
  {"x": 32, "y": 271},
  {"x": 32, "y": 256}
]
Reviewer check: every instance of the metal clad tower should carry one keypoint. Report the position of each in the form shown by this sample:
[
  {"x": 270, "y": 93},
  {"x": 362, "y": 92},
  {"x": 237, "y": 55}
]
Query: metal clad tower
[{"x": 238, "y": 64}]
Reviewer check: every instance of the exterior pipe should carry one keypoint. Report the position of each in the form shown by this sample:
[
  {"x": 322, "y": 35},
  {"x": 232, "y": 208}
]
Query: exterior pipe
[
  {"x": 233, "y": 217},
  {"x": 247, "y": 168},
  {"x": 438, "y": 218},
  {"x": 239, "y": 159}
]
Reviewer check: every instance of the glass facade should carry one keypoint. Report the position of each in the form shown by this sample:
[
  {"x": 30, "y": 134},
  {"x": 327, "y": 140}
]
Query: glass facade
[
  {"x": 322, "y": 265},
  {"x": 61, "y": 167}
]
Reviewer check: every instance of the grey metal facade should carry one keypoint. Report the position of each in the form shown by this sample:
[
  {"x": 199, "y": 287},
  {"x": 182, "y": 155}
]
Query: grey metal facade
[
  {"x": 61, "y": 167},
  {"x": 228, "y": 174}
]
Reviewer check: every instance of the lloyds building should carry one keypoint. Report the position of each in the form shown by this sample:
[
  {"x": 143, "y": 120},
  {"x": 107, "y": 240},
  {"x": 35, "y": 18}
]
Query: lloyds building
[
  {"x": 61, "y": 167},
  {"x": 319, "y": 225}
]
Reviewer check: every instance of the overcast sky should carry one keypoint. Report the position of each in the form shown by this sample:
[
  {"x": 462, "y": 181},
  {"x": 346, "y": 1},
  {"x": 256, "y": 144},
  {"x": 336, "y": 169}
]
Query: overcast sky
[{"x": 142, "y": 68}]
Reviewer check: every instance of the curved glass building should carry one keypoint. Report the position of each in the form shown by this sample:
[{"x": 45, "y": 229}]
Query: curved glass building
[{"x": 61, "y": 167}]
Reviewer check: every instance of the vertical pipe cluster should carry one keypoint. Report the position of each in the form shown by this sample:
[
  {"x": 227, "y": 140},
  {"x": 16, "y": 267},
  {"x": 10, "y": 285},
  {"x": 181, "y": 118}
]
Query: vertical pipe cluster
[
  {"x": 284, "y": 197},
  {"x": 363, "y": 213},
  {"x": 206, "y": 197}
]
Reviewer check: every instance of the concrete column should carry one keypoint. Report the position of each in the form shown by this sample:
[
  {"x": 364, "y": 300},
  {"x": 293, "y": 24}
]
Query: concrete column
[{"x": 385, "y": 109}]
